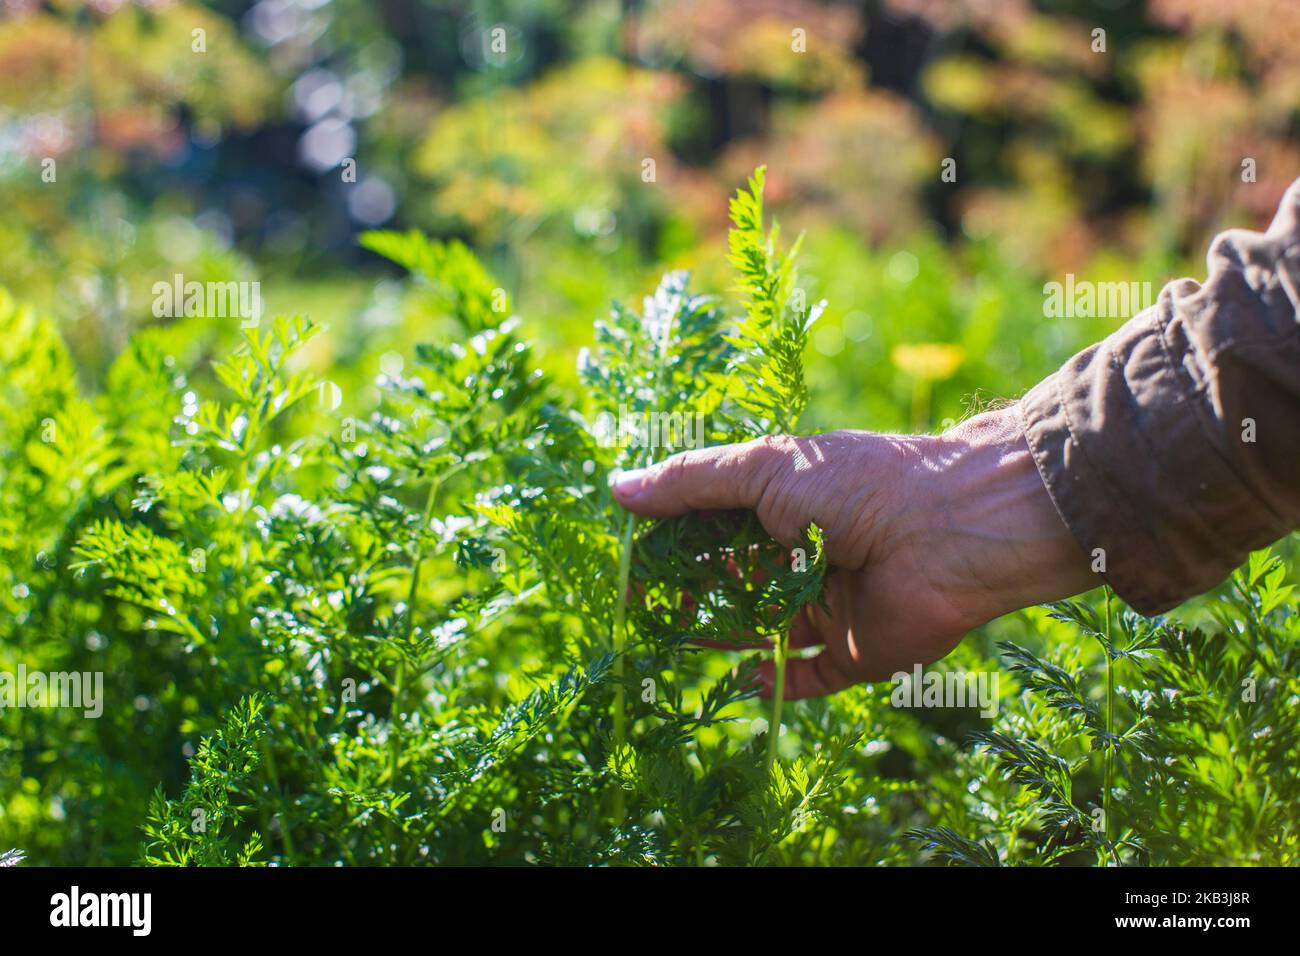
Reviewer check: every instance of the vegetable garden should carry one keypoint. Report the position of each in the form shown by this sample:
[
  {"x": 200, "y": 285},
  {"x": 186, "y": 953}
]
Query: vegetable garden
[{"x": 426, "y": 634}]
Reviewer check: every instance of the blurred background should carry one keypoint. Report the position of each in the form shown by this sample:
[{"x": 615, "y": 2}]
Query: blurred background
[{"x": 581, "y": 148}]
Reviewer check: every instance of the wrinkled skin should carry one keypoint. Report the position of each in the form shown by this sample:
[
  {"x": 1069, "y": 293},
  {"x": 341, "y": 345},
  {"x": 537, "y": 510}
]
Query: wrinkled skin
[{"x": 927, "y": 537}]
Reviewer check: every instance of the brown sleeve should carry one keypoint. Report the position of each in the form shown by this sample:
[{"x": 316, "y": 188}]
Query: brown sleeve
[{"x": 1143, "y": 440}]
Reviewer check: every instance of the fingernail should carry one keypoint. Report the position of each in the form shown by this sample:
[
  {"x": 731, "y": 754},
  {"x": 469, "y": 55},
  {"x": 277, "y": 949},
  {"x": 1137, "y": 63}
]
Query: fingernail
[{"x": 628, "y": 485}]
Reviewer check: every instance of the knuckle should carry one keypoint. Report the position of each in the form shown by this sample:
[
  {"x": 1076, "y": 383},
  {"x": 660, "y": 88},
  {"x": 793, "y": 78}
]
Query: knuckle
[
  {"x": 772, "y": 486},
  {"x": 676, "y": 467},
  {"x": 775, "y": 446},
  {"x": 763, "y": 460},
  {"x": 1234, "y": 246},
  {"x": 1290, "y": 203}
]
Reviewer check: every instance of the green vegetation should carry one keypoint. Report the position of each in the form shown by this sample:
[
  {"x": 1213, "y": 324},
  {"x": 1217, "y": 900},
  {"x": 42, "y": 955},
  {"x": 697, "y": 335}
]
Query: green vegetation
[{"x": 424, "y": 632}]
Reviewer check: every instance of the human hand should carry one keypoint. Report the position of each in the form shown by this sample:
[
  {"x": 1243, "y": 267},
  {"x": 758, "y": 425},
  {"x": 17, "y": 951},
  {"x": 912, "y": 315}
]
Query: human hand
[{"x": 927, "y": 536}]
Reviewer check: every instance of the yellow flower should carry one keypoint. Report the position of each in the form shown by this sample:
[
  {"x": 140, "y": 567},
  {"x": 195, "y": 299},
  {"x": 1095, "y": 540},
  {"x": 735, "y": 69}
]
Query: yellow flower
[{"x": 932, "y": 361}]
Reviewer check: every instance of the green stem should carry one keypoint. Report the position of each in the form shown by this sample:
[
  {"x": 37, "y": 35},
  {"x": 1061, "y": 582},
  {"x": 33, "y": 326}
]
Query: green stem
[
  {"x": 620, "y": 644},
  {"x": 778, "y": 699},
  {"x": 417, "y": 559},
  {"x": 394, "y": 716},
  {"x": 1110, "y": 733},
  {"x": 399, "y": 677},
  {"x": 394, "y": 742},
  {"x": 285, "y": 839}
]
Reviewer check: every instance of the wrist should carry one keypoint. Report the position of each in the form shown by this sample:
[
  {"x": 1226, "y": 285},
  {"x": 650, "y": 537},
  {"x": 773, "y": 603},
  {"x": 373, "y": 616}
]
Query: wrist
[{"x": 1014, "y": 548}]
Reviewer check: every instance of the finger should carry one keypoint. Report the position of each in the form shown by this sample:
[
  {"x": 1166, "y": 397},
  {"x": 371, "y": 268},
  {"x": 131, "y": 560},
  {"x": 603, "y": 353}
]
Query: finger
[
  {"x": 805, "y": 677},
  {"x": 725, "y": 476}
]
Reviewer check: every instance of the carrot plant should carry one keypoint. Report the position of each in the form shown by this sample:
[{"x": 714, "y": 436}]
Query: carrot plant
[
  {"x": 422, "y": 631},
  {"x": 1144, "y": 741}
]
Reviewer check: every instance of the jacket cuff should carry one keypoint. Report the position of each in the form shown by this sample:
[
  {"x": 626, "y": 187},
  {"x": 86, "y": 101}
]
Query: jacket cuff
[
  {"x": 1116, "y": 436},
  {"x": 1171, "y": 446}
]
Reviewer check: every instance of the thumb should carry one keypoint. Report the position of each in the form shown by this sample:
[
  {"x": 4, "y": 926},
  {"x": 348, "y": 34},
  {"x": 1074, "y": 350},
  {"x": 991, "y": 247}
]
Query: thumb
[{"x": 725, "y": 476}]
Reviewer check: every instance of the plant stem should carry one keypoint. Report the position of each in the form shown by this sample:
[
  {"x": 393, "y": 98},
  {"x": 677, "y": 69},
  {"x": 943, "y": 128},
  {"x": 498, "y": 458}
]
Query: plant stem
[
  {"x": 1110, "y": 731},
  {"x": 399, "y": 677},
  {"x": 778, "y": 698},
  {"x": 286, "y": 840},
  {"x": 620, "y": 643},
  {"x": 394, "y": 715},
  {"x": 417, "y": 559}
]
